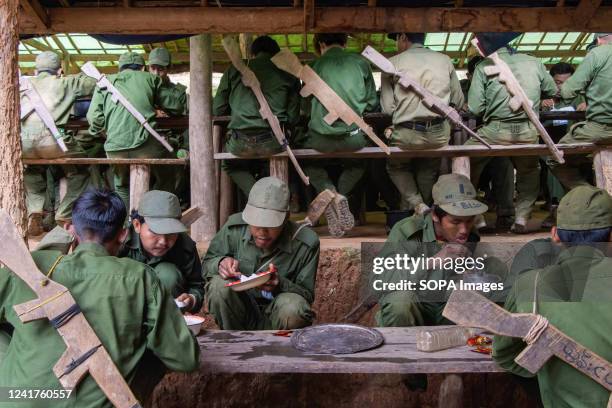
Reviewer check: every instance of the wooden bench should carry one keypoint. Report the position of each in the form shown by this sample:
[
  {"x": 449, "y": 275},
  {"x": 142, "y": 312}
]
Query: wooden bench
[{"x": 261, "y": 352}]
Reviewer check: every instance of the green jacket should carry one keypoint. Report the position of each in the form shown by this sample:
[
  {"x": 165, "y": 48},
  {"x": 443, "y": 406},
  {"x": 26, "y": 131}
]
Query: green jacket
[
  {"x": 350, "y": 76},
  {"x": 145, "y": 92},
  {"x": 58, "y": 94},
  {"x": 488, "y": 97},
  {"x": 183, "y": 254},
  {"x": 296, "y": 258},
  {"x": 236, "y": 99},
  {"x": 124, "y": 304},
  {"x": 432, "y": 70},
  {"x": 594, "y": 76},
  {"x": 575, "y": 295},
  {"x": 178, "y": 138}
]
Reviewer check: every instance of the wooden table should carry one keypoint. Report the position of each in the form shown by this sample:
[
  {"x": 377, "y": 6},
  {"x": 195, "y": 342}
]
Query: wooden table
[{"x": 261, "y": 352}]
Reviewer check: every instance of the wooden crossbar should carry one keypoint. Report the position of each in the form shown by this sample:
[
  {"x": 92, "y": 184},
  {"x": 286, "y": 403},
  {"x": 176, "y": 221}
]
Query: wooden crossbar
[
  {"x": 446, "y": 151},
  {"x": 90, "y": 160}
]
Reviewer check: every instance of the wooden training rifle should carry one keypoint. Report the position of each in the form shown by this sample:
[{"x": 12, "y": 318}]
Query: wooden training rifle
[
  {"x": 250, "y": 80},
  {"x": 314, "y": 85},
  {"x": 471, "y": 309},
  {"x": 84, "y": 351},
  {"x": 430, "y": 100},
  {"x": 519, "y": 99}
]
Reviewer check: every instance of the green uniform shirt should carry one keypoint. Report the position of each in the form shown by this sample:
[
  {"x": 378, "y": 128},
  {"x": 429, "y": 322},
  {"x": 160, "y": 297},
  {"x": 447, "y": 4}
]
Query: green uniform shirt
[
  {"x": 296, "y": 259},
  {"x": 124, "y": 304},
  {"x": 489, "y": 98},
  {"x": 184, "y": 255},
  {"x": 145, "y": 92},
  {"x": 575, "y": 295},
  {"x": 280, "y": 89},
  {"x": 350, "y": 76},
  {"x": 58, "y": 94},
  {"x": 432, "y": 70},
  {"x": 594, "y": 75}
]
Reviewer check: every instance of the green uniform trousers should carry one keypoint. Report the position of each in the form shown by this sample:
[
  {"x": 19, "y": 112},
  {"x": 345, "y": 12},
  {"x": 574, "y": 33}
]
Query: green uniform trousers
[
  {"x": 161, "y": 175},
  {"x": 243, "y": 311},
  {"x": 245, "y": 144},
  {"x": 569, "y": 173},
  {"x": 352, "y": 169},
  {"x": 44, "y": 146},
  {"x": 403, "y": 309},
  {"x": 414, "y": 178},
  {"x": 527, "y": 168}
]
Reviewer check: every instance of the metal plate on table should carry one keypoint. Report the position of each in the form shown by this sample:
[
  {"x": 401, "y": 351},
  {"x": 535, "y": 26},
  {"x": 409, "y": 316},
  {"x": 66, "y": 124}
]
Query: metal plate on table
[{"x": 336, "y": 339}]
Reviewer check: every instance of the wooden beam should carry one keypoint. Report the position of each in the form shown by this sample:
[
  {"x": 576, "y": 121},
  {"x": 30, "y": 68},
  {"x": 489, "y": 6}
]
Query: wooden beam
[
  {"x": 12, "y": 193},
  {"x": 309, "y": 16},
  {"x": 187, "y": 20},
  {"x": 446, "y": 151},
  {"x": 140, "y": 176},
  {"x": 95, "y": 160},
  {"x": 36, "y": 11},
  {"x": 203, "y": 181},
  {"x": 39, "y": 46},
  {"x": 586, "y": 10}
]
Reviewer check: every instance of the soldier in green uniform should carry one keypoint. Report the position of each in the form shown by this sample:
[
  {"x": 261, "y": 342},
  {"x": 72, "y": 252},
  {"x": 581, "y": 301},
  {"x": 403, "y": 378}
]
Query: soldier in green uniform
[
  {"x": 156, "y": 238},
  {"x": 159, "y": 64},
  {"x": 414, "y": 126},
  {"x": 125, "y": 137},
  {"x": 574, "y": 294},
  {"x": 159, "y": 239},
  {"x": 248, "y": 133},
  {"x": 58, "y": 94},
  {"x": 488, "y": 98},
  {"x": 444, "y": 232},
  {"x": 121, "y": 299},
  {"x": 592, "y": 77},
  {"x": 350, "y": 76},
  {"x": 560, "y": 73},
  {"x": 261, "y": 235}
]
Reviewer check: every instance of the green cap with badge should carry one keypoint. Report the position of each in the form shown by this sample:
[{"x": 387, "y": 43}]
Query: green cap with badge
[
  {"x": 456, "y": 195},
  {"x": 160, "y": 56},
  {"x": 585, "y": 208},
  {"x": 161, "y": 211},
  {"x": 48, "y": 60},
  {"x": 268, "y": 203},
  {"x": 129, "y": 58}
]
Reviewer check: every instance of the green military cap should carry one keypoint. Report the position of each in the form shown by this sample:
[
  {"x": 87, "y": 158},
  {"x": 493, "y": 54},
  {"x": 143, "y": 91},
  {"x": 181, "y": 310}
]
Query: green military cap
[
  {"x": 268, "y": 203},
  {"x": 585, "y": 208},
  {"x": 48, "y": 60},
  {"x": 160, "y": 56},
  {"x": 456, "y": 195},
  {"x": 129, "y": 58},
  {"x": 162, "y": 212}
]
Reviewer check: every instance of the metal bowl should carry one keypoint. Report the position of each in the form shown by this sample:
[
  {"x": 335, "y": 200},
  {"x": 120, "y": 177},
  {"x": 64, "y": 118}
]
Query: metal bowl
[{"x": 336, "y": 339}]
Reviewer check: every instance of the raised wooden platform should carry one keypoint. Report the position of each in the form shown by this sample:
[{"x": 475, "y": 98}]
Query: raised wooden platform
[{"x": 262, "y": 352}]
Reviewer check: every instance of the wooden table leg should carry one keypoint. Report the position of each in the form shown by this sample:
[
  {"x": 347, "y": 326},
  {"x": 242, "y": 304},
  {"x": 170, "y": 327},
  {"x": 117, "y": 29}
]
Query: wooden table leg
[
  {"x": 140, "y": 176},
  {"x": 603, "y": 169},
  {"x": 461, "y": 165},
  {"x": 451, "y": 392},
  {"x": 279, "y": 168}
]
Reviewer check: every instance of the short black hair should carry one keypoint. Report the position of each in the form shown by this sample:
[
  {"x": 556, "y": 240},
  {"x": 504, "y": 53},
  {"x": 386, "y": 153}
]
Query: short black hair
[
  {"x": 134, "y": 67},
  {"x": 98, "y": 215},
  {"x": 415, "y": 38},
  {"x": 135, "y": 216},
  {"x": 264, "y": 43},
  {"x": 562, "y": 68},
  {"x": 331, "y": 38},
  {"x": 574, "y": 237},
  {"x": 473, "y": 62}
]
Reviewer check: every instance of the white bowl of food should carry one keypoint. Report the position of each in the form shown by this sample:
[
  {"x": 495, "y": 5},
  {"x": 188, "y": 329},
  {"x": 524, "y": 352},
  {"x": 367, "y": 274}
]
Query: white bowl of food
[{"x": 194, "y": 323}]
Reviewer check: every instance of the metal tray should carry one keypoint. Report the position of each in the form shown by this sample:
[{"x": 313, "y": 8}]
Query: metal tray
[{"x": 336, "y": 339}]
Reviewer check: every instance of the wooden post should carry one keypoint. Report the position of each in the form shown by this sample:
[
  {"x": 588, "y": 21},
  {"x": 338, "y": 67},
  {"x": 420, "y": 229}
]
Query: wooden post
[
  {"x": 461, "y": 165},
  {"x": 279, "y": 168},
  {"x": 226, "y": 188},
  {"x": 203, "y": 181},
  {"x": 451, "y": 392},
  {"x": 603, "y": 169},
  {"x": 140, "y": 176},
  {"x": 12, "y": 192}
]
